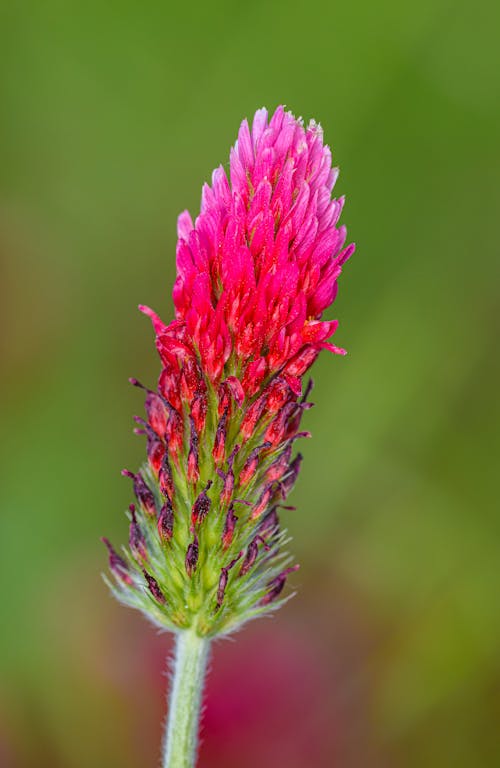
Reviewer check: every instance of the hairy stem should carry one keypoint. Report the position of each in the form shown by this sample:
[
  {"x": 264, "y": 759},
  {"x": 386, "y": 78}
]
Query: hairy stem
[{"x": 190, "y": 663}]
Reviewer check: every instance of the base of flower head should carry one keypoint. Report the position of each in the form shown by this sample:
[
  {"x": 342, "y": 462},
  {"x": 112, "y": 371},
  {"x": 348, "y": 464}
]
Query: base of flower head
[
  {"x": 213, "y": 593},
  {"x": 206, "y": 550}
]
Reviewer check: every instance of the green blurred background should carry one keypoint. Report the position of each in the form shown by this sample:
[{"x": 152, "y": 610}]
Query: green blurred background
[{"x": 112, "y": 116}]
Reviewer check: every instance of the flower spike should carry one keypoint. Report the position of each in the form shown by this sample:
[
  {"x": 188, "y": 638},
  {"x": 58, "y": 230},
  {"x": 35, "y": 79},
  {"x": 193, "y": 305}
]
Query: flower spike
[{"x": 256, "y": 271}]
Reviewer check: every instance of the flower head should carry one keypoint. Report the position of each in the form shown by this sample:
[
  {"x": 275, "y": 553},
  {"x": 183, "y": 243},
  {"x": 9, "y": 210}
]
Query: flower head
[{"x": 255, "y": 272}]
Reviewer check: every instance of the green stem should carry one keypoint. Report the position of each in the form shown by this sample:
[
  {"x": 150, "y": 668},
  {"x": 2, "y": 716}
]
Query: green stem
[{"x": 190, "y": 663}]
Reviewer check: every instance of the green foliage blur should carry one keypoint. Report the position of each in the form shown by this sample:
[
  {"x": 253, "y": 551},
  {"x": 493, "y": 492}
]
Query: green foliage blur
[{"x": 112, "y": 115}]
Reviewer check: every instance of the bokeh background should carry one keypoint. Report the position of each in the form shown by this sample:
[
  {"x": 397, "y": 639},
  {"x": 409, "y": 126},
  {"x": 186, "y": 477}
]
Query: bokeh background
[{"x": 112, "y": 116}]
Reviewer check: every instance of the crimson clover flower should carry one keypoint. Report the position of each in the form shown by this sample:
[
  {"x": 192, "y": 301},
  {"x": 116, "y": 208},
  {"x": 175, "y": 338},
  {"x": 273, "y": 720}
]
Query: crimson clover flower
[{"x": 255, "y": 272}]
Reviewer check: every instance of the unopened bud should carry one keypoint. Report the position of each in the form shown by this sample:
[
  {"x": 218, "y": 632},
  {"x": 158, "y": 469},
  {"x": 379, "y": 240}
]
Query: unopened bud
[
  {"x": 168, "y": 385},
  {"x": 277, "y": 585},
  {"x": 143, "y": 493},
  {"x": 192, "y": 556},
  {"x": 270, "y": 524},
  {"x": 166, "y": 522},
  {"x": 229, "y": 525},
  {"x": 224, "y": 399},
  {"x": 262, "y": 503},
  {"x": 136, "y": 539},
  {"x": 302, "y": 361},
  {"x": 254, "y": 375},
  {"x": 193, "y": 470},
  {"x": 154, "y": 588},
  {"x": 199, "y": 411},
  {"x": 190, "y": 379},
  {"x": 174, "y": 435},
  {"x": 252, "y": 416},
  {"x": 219, "y": 449},
  {"x": 236, "y": 389},
  {"x": 279, "y": 466},
  {"x": 278, "y": 393},
  {"x": 291, "y": 476},
  {"x": 276, "y": 429},
  {"x": 228, "y": 488},
  {"x": 250, "y": 466},
  {"x": 117, "y": 564},
  {"x": 223, "y": 579},
  {"x": 201, "y": 506},
  {"x": 157, "y": 413},
  {"x": 250, "y": 557},
  {"x": 165, "y": 478}
]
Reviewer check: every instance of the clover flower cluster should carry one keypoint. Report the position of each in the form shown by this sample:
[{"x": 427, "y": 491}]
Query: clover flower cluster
[{"x": 255, "y": 272}]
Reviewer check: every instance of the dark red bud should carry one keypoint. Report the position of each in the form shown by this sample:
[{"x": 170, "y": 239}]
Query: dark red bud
[
  {"x": 193, "y": 470},
  {"x": 219, "y": 449},
  {"x": 254, "y": 375},
  {"x": 223, "y": 579},
  {"x": 168, "y": 386},
  {"x": 157, "y": 413},
  {"x": 236, "y": 389},
  {"x": 190, "y": 379},
  {"x": 227, "y": 490},
  {"x": 251, "y": 464},
  {"x": 166, "y": 479},
  {"x": 261, "y": 505},
  {"x": 224, "y": 399},
  {"x": 277, "y": 585},
  {"x": 293, "y": 424},
  {"x": 231, "y": 458},
  {"x": 192, "y": 556},
  {"x": 291, "y": 476},
  {"x": 155, "y": 446},
  {"x": 117, "y": 564},
  {"x": 249, "y": 469},
  {"x": 166, "y": 522},
  {"x": 224, "y": 576},
  {"x": 270, "y": 524},
  {"x": 229, "y": 525},
  {"x": 154, "y": 588},
  {"x": 199, "y": 411},
  {"x": 299, "y": 364},
  {"x": 201, "y": 506},
  {"x": 250, "y": 557},
  {"x": 295, "y": 384},
  {"x": 276, "y": 430},
  {"x": 156, "y": 452},
  {"x": 252, "y": 416},
  {"x": 143, "y": 493},
  {"x": 137, "y": 542},
  {"x": 279, "y": 466},
  {"x": 174, "y": 435},
  {"x": 278, "y": 393}
]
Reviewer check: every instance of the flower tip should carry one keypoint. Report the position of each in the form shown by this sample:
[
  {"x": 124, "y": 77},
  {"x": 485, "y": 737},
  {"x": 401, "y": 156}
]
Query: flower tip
[
  {"x": 158, "y": 325},
  {"x": 184, "y": 225},
  {"x": 332, "y": 348}
]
